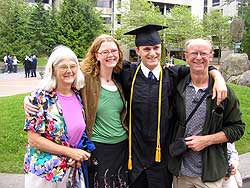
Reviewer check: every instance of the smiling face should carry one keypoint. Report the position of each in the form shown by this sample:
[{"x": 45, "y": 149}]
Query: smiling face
[
  {"x": 108, "y": 55},
  {"x": 150, "y": 55},
  {"x": 65, "y": 72},
  {"x": 198, "y": 55}
]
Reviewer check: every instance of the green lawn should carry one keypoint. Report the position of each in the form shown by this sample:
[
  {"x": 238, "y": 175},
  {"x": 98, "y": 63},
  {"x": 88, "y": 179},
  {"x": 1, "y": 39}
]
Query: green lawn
[
  {"x": 243, "y": 94},
  {"x": 13, "y": 138}
]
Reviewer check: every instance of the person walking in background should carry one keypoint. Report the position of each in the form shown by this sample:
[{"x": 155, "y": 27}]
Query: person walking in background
[
  {"x": 33, "y": 65},
  {"x": 105, "y": 113},
  {"x": 56, "y": 137},
  {"x": 206, "y": 126},
  {"x": 27, "y": 66},
  {"x": 150, "y": 89},
  {"x": 15, "y": 61},
  {"x": 5, "y": 63},
  {"x": 10, "y": 63}
]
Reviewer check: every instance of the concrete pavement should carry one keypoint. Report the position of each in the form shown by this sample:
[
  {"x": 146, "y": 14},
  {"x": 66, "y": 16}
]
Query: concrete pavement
[
  {"x": 15, "y": 83},
  {"x": 17, "y": 180}
]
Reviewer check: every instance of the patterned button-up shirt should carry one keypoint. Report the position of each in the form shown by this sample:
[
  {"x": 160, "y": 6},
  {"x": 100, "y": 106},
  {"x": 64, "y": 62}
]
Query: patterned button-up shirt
[{"x": 48, "y": 122}]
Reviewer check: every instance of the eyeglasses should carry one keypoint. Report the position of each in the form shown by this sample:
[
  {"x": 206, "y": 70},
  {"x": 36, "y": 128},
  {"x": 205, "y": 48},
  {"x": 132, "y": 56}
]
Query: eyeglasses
[
  {"x": 106, "y": 52},
  {"x": 65, "y": 67},
  {"x": 202, "y": 54}
]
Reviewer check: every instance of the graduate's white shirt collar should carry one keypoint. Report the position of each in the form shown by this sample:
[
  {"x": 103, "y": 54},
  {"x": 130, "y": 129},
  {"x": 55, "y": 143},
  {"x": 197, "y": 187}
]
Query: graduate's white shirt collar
[{"x": 155, "y": 71}]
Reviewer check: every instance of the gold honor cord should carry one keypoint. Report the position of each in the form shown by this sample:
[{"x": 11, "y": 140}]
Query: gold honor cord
[{"x": 158, "y": 147}]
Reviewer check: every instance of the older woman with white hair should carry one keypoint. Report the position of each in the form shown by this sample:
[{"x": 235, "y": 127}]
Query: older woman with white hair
[{"x": 56, "y": 136}]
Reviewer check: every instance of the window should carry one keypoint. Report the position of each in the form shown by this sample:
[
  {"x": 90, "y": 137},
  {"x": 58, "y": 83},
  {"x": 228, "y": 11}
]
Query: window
[
  {"x": 205, "y": 6},
  {"x": 36, "y": 1},
  {"x": 104, "y": 3},
  {"x": 106, "y": 20},
  {"x": 215, "y": 3}
]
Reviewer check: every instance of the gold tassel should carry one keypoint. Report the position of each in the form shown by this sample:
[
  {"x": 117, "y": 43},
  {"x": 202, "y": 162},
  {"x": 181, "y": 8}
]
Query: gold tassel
[
  {"x": 130, "y": 164},
  {"x": 158, "y": 154}
]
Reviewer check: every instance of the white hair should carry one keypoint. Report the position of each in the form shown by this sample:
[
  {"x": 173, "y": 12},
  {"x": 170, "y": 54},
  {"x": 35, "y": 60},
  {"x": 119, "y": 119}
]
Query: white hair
[
  {"x": 198, "y": 40},
  {"x": 58, "y": 54}
]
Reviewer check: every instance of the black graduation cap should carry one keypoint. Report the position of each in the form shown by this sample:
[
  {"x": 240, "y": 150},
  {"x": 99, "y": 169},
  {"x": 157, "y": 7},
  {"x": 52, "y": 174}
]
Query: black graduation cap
[{"x": 147, "y": 35}]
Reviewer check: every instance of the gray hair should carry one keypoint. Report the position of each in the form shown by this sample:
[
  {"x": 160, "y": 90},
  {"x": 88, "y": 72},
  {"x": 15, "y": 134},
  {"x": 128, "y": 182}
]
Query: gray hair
[
  {"x": 58, "y": 54},
  {"x": 201, "y": 40}
]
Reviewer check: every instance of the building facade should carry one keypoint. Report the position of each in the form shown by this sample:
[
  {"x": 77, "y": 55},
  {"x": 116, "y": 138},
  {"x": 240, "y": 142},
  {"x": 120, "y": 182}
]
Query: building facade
[
  {"x": 227, "y": 9},
  {"x": 111, "y": 14}
]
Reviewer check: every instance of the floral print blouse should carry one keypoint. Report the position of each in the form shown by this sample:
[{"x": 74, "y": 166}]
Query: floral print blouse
[{"x": 48, "y": 122}]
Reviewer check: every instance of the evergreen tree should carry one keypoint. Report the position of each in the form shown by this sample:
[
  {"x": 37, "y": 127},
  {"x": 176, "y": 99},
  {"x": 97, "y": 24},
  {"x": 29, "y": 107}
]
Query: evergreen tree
[
  {"x": 14, "y": 18},
  {"x": 78, "y": 24},
  {"x": 41, "y": 29}
]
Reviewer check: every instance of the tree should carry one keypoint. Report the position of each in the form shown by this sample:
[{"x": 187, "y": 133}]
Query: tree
[
  {"x": 244, "y": 12},
  {"x": 78, "y": 24},
  {"x": 217, "y": 27},
  {"x": 41, "y": 29},
  {"x": 136, "y": 13},
  {"x": 14, "y": 18},
  {"x": 182, "y": 25}
]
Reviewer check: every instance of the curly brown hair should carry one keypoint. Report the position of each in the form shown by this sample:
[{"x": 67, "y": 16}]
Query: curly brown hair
[{"x": 90, "y": 65}]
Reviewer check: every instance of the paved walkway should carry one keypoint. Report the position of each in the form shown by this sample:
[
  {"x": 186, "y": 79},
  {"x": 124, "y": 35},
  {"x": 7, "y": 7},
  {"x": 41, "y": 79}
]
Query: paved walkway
[{"x": 15, "y": 83}]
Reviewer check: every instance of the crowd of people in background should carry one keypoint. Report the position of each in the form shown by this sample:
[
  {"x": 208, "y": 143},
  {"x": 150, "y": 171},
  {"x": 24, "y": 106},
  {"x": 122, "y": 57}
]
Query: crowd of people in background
[
  {"x": 29, "y": 63},
  {"x": 10, "y": 63}
]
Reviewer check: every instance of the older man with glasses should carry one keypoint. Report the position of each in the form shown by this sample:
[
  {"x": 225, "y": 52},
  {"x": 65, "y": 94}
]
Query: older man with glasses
[{"x": 206, "y": 126}]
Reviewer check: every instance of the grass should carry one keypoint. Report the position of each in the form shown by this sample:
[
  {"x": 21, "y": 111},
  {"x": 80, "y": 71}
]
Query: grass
[
  {"x": 13, "y": 138},
  {"x": 243, "y": 93},
  {"x": 42, "y": 61}
]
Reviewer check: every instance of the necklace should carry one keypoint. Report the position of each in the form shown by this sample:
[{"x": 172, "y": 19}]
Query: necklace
[{"x": 105, "y": 80}]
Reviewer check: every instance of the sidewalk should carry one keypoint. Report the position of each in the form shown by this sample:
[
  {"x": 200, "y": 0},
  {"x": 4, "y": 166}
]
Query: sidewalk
[
  {"x": 17, "y": 180},
  {"x": 15, "y": 83}
]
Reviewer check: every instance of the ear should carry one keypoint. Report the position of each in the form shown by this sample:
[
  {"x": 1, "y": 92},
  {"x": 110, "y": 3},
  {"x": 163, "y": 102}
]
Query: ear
[
  {"x": 211, "y": 56},
  {"x": 186, "y": 55},
  {"x": 137, "y": 50},
  {"x": 97, "y": 56}
]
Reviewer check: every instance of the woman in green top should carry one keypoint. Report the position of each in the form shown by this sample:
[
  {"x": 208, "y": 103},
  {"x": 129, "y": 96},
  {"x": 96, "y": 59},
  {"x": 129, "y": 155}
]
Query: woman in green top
[{"x": 104, "y": 104}]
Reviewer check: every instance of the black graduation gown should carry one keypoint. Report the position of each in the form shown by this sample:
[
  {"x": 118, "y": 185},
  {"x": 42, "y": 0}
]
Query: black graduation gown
[{"x": 144, "y": 124}]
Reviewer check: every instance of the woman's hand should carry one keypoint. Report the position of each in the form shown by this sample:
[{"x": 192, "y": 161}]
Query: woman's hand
[
  {"x": 78, "y": 154},
  {"x": 44, "y": 144}
]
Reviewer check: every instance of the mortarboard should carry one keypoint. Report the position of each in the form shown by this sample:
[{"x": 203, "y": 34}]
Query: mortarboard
[{"x": 147, "y": 35}]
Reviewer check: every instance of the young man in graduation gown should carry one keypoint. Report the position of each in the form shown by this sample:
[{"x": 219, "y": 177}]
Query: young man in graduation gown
[{"x": 150, "y": 90}]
